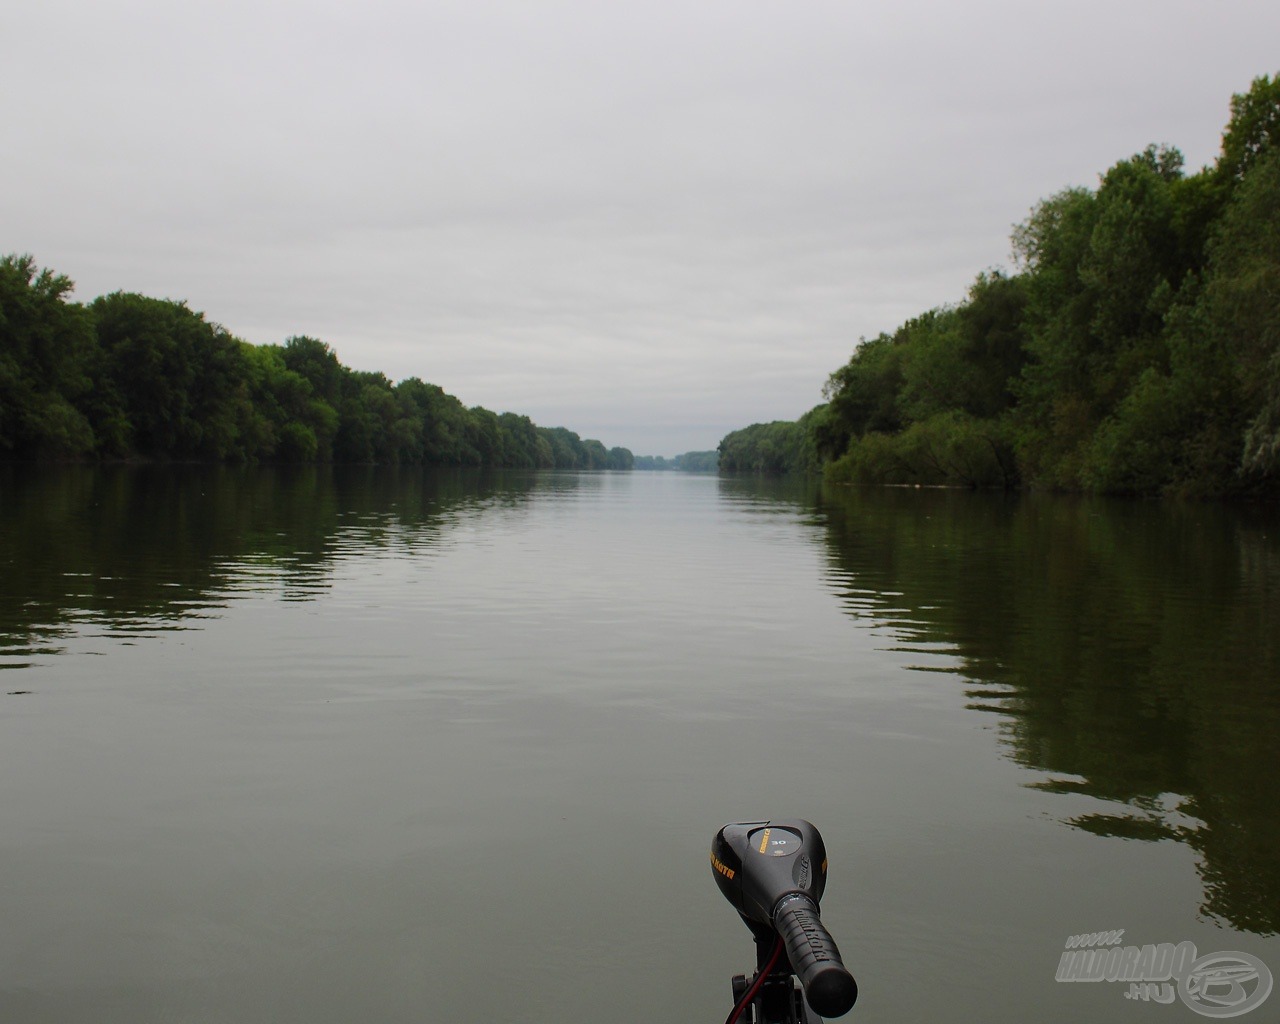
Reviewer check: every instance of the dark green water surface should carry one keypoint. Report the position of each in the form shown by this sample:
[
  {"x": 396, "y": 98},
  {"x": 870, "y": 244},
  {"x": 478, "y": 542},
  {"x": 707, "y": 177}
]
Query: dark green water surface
[{"x": 379, "y": 745}]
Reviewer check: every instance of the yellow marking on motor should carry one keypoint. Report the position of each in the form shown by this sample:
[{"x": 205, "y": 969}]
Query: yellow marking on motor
[
  {"x": 824, "y": 865},
  {"x": 724, "y": 869},
  {"x": 764, "y": 839}
]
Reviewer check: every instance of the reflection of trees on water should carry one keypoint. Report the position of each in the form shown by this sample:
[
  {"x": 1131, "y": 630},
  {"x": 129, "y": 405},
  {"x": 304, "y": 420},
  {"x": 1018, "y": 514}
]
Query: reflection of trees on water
[
  {"x": 1130, "y": 650},
  {"x": 128, "y": 550}
]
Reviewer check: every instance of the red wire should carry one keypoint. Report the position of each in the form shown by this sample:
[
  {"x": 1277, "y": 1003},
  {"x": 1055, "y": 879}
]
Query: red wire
[{"x": 750, "y": 994}]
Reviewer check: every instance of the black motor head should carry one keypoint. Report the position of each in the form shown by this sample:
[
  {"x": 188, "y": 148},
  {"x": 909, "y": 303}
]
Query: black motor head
[
  {"x": 774, "y": 873},
  {"x": 756, "y": 863}
]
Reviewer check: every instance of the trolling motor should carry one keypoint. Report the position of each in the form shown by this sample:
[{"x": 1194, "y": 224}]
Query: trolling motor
[{"x": 774, "y": 873}]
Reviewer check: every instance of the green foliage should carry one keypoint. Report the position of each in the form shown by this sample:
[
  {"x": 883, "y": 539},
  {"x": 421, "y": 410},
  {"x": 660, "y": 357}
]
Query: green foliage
[
  {"x": 992, "y": 340},
  {"x": 697, "y": 462},
  {"x": 934, "y": 372},
  {"x": 597, "y": 455},
  {"x": 1254, "y": 128},
  {"x": 773, "y": 449},
  {"x": 1104, "y": 271},
  {"x": 561, "y": 448},
  {"x": 1137, "y": 449},
  {"x": 863, "y": 394},
  {"x": 760, "y": 448},
  {"x": 176, "y": 379},
  {"x": 950, "y": 448},
  {"x": 521, "y": 442},
  {"x": 131, "y": 376},
  {"x": 1242, "y": 306},
  {"x": 951, "y": 371},
  {"x": 688, "y": 462},
  {"x": 621, "y": 459},
  {"x": 870, "y": 459},
  {"x": 1136, "y": 351},
  {"x": 46, "y": 348},
  {"x": 567, "y": 451}
]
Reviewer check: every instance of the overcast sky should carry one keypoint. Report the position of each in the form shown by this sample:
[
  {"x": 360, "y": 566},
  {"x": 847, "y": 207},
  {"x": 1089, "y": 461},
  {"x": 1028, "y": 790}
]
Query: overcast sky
[{"x": 651, "y": 223}]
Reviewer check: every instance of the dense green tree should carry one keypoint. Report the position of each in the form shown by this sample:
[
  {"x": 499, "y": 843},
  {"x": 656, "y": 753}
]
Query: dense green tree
[
  {"x": 295, "y": 425},
  {"x": 620, "y": 459},
  {"x": 863, "y": 394},
  {"x": 1254, "y": 128},
  {"x": 180, "y": 380},
  {"x": 992, "y": 332},
  {"x": 1181, "y": 426},
  {"x": 46, "y": 352},
  {"x": 697, "y": 462},
  {"x": 773, "y": 449},
  {"x": 367, "y": 417},
  {"x": 597, "y": 456},
  {"x": 1135, "y": 351},
  {"x": 949, "y": 448},
  {"x": 1242, "y": 307},
  {"x": 524, "y": 448},
  {"x": 484, "y": 435},
  {"x": 444, "y": 423},
  {"x": 948, "y": 369},
  {"x": 567, "y": 451},
  {"x": 317, "y": 364},
  {"x": 935, "y": 376},
  {"x": 131, "y": 376}
]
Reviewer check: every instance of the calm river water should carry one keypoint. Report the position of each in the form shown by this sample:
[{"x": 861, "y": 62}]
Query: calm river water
[{"x": 379, "y": 745}]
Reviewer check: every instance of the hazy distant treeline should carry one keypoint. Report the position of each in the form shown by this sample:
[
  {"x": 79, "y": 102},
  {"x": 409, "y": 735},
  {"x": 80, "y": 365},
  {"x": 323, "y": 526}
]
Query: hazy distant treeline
[
  {"x": 689, "y": 462},
  {"x": 1136, "y": 350},
  {"x": 127, "y": 376}
]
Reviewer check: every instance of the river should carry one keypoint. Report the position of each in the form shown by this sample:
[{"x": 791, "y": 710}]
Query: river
[{"x": 406, "y": 745}]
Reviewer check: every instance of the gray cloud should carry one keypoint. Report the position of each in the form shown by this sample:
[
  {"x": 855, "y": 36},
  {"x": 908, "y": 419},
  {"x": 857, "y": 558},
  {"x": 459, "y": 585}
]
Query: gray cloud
[{"x": 649, "y": 224}]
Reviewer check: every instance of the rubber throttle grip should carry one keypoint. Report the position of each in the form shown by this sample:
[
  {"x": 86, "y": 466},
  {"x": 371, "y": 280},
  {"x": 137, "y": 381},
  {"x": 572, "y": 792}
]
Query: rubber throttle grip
[{"x": 830, "y": 988}]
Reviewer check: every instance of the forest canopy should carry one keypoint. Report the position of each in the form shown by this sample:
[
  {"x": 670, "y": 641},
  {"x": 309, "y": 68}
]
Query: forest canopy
[
  {"x": 1135, "y": 349},
  {"x": 132, "y": 377},
  {"x": 687, "y": 462}
]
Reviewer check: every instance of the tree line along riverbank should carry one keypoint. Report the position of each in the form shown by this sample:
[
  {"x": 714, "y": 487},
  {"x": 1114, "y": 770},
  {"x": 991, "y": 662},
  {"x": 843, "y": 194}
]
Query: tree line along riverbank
[
  {"x": 1135, "y": 349},
  {"x": 131, "y": 377}
]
